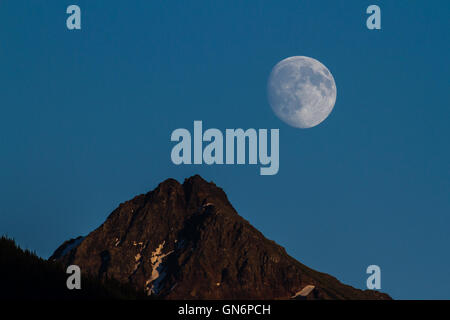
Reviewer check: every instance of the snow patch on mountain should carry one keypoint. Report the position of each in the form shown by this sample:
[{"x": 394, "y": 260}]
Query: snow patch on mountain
[
  {"x": 153, "y": 284},
  {"x": 72, "y": 245},
  {"x": 305, "y": 291}
]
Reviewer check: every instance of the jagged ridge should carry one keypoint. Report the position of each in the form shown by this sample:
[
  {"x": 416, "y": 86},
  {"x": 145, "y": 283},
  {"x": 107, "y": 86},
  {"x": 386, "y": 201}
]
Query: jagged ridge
[{"x": 186, "y": 241}]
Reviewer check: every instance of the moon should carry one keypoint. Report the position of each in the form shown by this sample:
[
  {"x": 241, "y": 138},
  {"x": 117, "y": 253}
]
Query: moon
[{"x": 301, "y": 91}]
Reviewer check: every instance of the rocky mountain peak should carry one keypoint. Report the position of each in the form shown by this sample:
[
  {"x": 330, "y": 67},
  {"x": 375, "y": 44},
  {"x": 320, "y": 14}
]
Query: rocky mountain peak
[{"x": 186, "y": 241}]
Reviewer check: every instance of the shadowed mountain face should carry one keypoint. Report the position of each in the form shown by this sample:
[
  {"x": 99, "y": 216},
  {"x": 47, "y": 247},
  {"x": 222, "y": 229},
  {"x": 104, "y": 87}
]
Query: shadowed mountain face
[
  {"x": 186, "y": 241},
  {"x": 25, "y": 276}
]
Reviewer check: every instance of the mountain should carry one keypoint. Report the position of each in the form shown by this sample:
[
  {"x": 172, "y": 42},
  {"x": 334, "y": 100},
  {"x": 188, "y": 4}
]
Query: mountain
[
  {"x": 186, "y": 241},
  {"x": 23, "y": 275}
]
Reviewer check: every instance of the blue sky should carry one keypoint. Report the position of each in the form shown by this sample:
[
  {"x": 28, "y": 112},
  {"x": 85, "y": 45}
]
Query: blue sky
[{"x": 86, "y": 118}]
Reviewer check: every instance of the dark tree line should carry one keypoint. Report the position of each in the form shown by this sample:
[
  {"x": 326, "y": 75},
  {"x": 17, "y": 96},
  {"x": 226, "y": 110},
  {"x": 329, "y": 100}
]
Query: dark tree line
[{"x": 24, "y": 275}]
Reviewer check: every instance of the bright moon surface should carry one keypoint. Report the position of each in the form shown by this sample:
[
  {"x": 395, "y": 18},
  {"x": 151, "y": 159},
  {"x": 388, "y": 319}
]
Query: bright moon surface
[{"x": 302, "y": 91}]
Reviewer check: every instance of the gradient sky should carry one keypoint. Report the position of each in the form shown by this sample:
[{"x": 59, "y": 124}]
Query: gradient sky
[{"x": 86, "y": 118}]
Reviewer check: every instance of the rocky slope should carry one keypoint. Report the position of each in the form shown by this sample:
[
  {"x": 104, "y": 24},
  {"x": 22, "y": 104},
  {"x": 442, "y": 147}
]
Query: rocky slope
[
  {"x": 25, "y": 276},
  {"x": 186, "y": 241}
]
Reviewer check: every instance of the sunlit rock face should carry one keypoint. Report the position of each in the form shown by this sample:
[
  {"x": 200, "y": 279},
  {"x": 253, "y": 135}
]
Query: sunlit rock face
[{"x": 186, "y": 241}]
